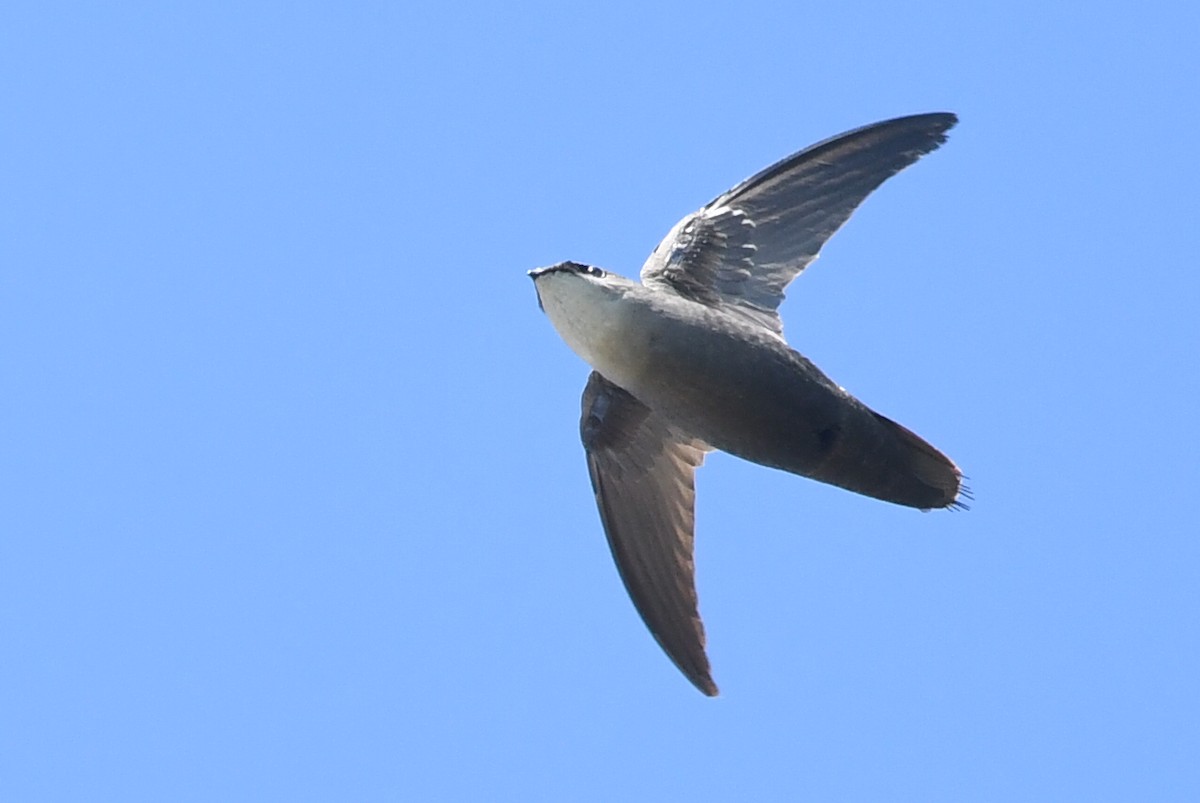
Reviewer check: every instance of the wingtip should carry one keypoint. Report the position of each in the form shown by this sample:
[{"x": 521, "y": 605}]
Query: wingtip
[
  {"x": 944, "y": 120},
  {"x": 935, "y": 125},
  {"x": 949, "y": 120},
  {"x": 697, "y": 672},
  {"x": 938, "y": 125}
]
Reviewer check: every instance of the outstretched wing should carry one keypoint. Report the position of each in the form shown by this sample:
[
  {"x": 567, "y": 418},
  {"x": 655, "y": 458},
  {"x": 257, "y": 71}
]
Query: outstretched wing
[
  {"x": 642, "y": 472},
  {"x": 744, "y": 248}
]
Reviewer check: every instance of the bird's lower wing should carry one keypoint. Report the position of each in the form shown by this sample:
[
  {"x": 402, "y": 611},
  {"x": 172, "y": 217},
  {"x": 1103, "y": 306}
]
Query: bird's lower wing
[{"x": 642, "y": 472}]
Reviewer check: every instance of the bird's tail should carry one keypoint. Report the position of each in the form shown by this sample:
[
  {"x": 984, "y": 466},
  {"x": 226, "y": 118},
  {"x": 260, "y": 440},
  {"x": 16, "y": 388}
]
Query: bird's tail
[
  {"x": 887, "y": 461},
  {"x": 932, "y": 480}
]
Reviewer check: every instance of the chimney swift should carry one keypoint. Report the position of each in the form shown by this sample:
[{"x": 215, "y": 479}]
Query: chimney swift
[{"x": 693, "y": 359}]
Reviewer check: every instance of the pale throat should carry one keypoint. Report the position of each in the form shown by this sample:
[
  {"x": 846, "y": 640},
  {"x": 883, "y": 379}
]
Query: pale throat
[{"x": 594, "y": 322}]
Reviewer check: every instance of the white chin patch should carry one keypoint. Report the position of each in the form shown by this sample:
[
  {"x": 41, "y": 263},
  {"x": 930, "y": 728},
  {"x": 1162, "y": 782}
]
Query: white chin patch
[{"x": 586, "y": 315}]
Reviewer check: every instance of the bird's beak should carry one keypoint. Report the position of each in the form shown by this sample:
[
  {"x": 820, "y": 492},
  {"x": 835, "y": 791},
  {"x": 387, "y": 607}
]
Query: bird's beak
[{"x": 534, "y": 274}]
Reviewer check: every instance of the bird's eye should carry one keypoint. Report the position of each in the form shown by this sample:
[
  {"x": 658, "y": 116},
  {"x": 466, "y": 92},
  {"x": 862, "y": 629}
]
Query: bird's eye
[{"x": 594, "y": 271}]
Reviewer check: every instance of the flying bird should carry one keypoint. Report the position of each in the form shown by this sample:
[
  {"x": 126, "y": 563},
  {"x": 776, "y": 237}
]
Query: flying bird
[{"x": 693, "y": 359}]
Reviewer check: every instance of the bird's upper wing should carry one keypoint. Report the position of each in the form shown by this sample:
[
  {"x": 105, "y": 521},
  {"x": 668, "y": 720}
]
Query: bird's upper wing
[
  {"x": 642, "y": 472},
  {"x": 744, "y": 248}
]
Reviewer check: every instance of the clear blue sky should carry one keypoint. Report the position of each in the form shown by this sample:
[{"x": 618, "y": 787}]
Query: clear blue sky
[{"x": 292, "y": 500}]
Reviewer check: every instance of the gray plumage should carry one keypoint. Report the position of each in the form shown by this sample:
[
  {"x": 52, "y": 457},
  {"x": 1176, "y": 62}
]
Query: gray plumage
[{"x": 693, "y": 359}]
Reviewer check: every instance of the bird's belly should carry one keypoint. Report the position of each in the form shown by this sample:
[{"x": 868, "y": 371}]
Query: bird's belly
[
  {"x": 752, "y": 398},
  {"x": 761, "y": 401}
]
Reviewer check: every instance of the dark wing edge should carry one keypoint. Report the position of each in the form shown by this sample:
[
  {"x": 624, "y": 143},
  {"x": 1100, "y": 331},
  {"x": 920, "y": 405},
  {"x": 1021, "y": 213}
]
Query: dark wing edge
[
  {"x": 920, "y": 134},
  {"x": 642, "y": 473}
]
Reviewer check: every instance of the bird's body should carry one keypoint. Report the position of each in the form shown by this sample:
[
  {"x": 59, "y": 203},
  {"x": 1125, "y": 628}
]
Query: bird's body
[{"x": 693, "y": 359}]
